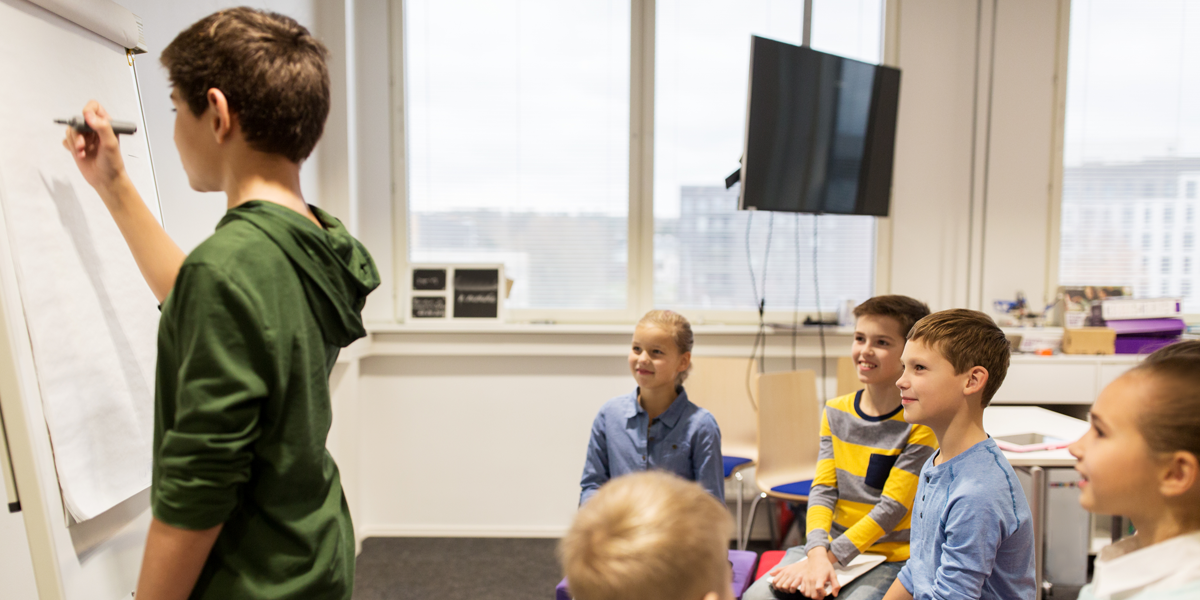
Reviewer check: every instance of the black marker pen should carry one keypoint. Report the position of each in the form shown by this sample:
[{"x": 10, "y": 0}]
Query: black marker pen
[{"x": 81, "y": 126}]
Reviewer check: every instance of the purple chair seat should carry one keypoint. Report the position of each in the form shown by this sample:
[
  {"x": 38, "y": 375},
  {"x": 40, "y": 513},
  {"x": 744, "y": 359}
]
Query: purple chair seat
[
  {"x": 743, "y": 570},
  {"x": 743, "y": 562}
]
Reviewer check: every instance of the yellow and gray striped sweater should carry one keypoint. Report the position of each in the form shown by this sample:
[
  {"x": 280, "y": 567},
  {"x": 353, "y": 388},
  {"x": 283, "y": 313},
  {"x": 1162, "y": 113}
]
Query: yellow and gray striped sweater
[{"x": 862, "y": 496}]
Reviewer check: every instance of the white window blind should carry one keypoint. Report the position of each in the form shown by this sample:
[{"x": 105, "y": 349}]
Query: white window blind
[
  {"x": 700, "y": 238},
  {"x": 1131, "y": 164},
  {"x": 518, "y": 143}
]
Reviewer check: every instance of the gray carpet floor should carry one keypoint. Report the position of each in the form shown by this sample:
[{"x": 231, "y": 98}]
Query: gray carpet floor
[
  {"x": 477, "y": 569},
  {"x": 456, "y": 569}
]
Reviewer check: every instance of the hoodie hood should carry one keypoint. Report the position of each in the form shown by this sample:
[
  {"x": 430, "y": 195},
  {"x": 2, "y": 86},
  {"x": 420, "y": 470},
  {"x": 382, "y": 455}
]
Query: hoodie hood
[{"x": 335, "y": 269}]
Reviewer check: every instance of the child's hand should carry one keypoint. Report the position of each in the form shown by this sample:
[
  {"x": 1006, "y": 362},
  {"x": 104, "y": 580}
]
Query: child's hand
[
  {"x": 788, "y": 578},
  {"x": 819, "y": 573},
  {"x": 97, "y": 154}
]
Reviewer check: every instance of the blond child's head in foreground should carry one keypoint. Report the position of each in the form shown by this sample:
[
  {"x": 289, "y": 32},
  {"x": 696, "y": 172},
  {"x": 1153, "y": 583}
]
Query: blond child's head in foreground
[
  {"x": 1141, "y": 457},
  {"x": 649, "y": 536},
  {"x": 954, "y": 362}
]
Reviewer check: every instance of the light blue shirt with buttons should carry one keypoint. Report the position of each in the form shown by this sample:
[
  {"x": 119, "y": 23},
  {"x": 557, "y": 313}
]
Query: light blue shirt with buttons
[
  {"x": 972, "y": 532},
  {"x": 684, "y": 440}
]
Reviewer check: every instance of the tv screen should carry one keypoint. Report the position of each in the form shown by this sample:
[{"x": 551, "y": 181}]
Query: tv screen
[{"x": 820, "y": 132}]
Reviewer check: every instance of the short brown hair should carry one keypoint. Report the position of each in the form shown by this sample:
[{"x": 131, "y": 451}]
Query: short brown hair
[
  {"x": 1171, "y": 422},
  {"x": 967, "y": 338},
  {"x": 906, "y": 311},
  {"x": 680, "y": 329},
  {"x": 270, "y": 68},
  {"x": 647, "y": 536}
]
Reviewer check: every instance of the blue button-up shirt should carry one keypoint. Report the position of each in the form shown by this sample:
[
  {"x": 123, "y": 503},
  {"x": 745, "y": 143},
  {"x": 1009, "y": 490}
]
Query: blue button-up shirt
[
  {"x": 683, "y": 440},
  {"x": 972, "y": 532}
]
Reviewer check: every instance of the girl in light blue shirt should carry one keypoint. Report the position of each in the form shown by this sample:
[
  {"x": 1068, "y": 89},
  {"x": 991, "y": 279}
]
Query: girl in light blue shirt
[{"x": 656, "y": 427}]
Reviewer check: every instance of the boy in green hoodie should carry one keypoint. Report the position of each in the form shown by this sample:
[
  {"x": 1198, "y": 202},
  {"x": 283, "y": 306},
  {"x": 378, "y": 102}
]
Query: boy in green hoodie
[{"x": 247, "y": 502}]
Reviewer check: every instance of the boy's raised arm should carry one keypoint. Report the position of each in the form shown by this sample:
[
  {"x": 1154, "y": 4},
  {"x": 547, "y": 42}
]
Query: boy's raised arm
[{"x": 98, "y": 156}]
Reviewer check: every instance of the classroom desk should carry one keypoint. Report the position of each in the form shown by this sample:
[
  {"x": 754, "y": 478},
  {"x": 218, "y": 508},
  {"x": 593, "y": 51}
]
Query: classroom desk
[{"x": 1008, "y": 420}]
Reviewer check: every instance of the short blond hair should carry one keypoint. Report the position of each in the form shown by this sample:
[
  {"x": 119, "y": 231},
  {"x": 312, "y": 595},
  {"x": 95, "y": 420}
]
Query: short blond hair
[
  {"x": 680, "y": 329},
  {"x": 648, "y": 536},
  {"x": 967, "y": 339}
]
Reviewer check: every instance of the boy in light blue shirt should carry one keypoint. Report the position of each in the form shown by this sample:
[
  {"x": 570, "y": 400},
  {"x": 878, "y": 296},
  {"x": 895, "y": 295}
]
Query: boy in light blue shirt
[{"x": 972, "y": 531}]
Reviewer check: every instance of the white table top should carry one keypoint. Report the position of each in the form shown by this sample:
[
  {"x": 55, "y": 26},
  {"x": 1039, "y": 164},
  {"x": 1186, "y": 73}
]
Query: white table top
[{"x": 1010, "y": 420}]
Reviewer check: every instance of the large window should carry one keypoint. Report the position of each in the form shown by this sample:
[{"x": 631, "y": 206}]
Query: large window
[
  {"x": 1131, "y": 164},
  {"x": 518, "y": 143},
  {"x": 518, "y": 121},
  {"x": 701, "y": 240}
]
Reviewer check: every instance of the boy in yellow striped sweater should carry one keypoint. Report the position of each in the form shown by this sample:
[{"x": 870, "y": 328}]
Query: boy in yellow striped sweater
[{"x": 862, "y": 496}]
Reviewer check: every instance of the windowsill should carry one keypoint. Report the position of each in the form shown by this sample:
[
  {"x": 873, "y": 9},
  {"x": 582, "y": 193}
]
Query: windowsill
[
  {"x": 1092, "y": 359},
  {"x": 585, "y": 329},
  {"x": 609, "y": 340},
  {"x": 576, "y": 340}
]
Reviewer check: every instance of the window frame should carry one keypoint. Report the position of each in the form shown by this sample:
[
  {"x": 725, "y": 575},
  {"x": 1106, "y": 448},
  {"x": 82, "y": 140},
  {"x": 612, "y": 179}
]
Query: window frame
[{"x": 640, "y": 220}]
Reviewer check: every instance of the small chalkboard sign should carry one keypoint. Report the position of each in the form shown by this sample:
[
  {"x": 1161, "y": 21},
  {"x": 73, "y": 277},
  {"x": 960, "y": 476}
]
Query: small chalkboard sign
[
  {"x": 426, "y": 307},
  {"x": 476, "y": 293},
  {"x": 447, "y": 292},
  {"x": 429, "y": 279}
]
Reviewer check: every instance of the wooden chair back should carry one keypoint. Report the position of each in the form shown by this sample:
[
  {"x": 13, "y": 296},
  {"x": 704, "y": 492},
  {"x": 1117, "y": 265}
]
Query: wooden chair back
[
  {"x": 789, "y": 428},
  {"x": 718, "y": 384}
]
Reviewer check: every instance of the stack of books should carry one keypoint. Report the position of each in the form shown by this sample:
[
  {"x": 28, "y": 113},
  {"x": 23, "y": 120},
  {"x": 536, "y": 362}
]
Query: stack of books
[{"x": 1143, "y": 326}]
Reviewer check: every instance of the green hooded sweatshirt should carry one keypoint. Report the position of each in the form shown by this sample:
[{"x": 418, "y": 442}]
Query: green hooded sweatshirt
[{"x": 246, "y": 344}]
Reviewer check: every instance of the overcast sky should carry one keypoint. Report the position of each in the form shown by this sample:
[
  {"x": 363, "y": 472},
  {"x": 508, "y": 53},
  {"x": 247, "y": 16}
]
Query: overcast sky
[
  {"x": 533, "y": 112},
  {"x": 1133, "y": 80},
  {"x": 539, "y": 119}
]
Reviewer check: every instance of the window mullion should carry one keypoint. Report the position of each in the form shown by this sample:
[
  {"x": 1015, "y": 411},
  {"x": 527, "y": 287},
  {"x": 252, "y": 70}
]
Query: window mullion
[{"x": 641, "y": 158}]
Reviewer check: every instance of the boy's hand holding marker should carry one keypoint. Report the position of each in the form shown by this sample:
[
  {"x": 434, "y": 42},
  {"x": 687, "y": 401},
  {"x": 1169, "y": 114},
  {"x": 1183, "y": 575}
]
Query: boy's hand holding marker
[{"x": 98, "y": 153}]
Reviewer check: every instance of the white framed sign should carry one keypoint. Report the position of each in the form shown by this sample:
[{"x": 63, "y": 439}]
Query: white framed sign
[{"x": 456, "y": 292}]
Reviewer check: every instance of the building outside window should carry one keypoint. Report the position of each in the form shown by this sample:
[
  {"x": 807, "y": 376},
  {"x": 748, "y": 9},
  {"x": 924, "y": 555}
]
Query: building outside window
[
  {"x": 1132, "y": 139},
  {"x": 521, "y": 154},
  {"x": 518, "y": 143}
]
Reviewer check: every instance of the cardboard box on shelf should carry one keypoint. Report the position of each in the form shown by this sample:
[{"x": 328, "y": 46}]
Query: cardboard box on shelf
[
  {"x": 1089, "y": 340},
  {"x": 1079, "y": 306}
]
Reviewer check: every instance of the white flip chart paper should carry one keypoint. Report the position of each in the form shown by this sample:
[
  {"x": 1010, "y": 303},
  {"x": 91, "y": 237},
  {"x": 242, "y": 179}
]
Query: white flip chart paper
[{"x": 91, "y": 317}]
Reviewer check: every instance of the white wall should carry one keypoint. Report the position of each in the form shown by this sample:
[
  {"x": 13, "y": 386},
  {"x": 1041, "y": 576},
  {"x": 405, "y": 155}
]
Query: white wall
[
  {"x": 935, "y": 151},
  {"x": 482, "y": 434},
  {"x": 344, "y": 437},
  {"x": 972, "y": 195},
  {"x": 371, "y": 127},
  {"x": 456, "y": 445},
  {"x": 1021, "y": 157}
]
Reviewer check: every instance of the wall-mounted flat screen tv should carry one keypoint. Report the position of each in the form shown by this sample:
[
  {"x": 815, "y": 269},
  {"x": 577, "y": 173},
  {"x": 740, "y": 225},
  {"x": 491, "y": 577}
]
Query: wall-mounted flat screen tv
[{"x": 820, "y": 132}]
